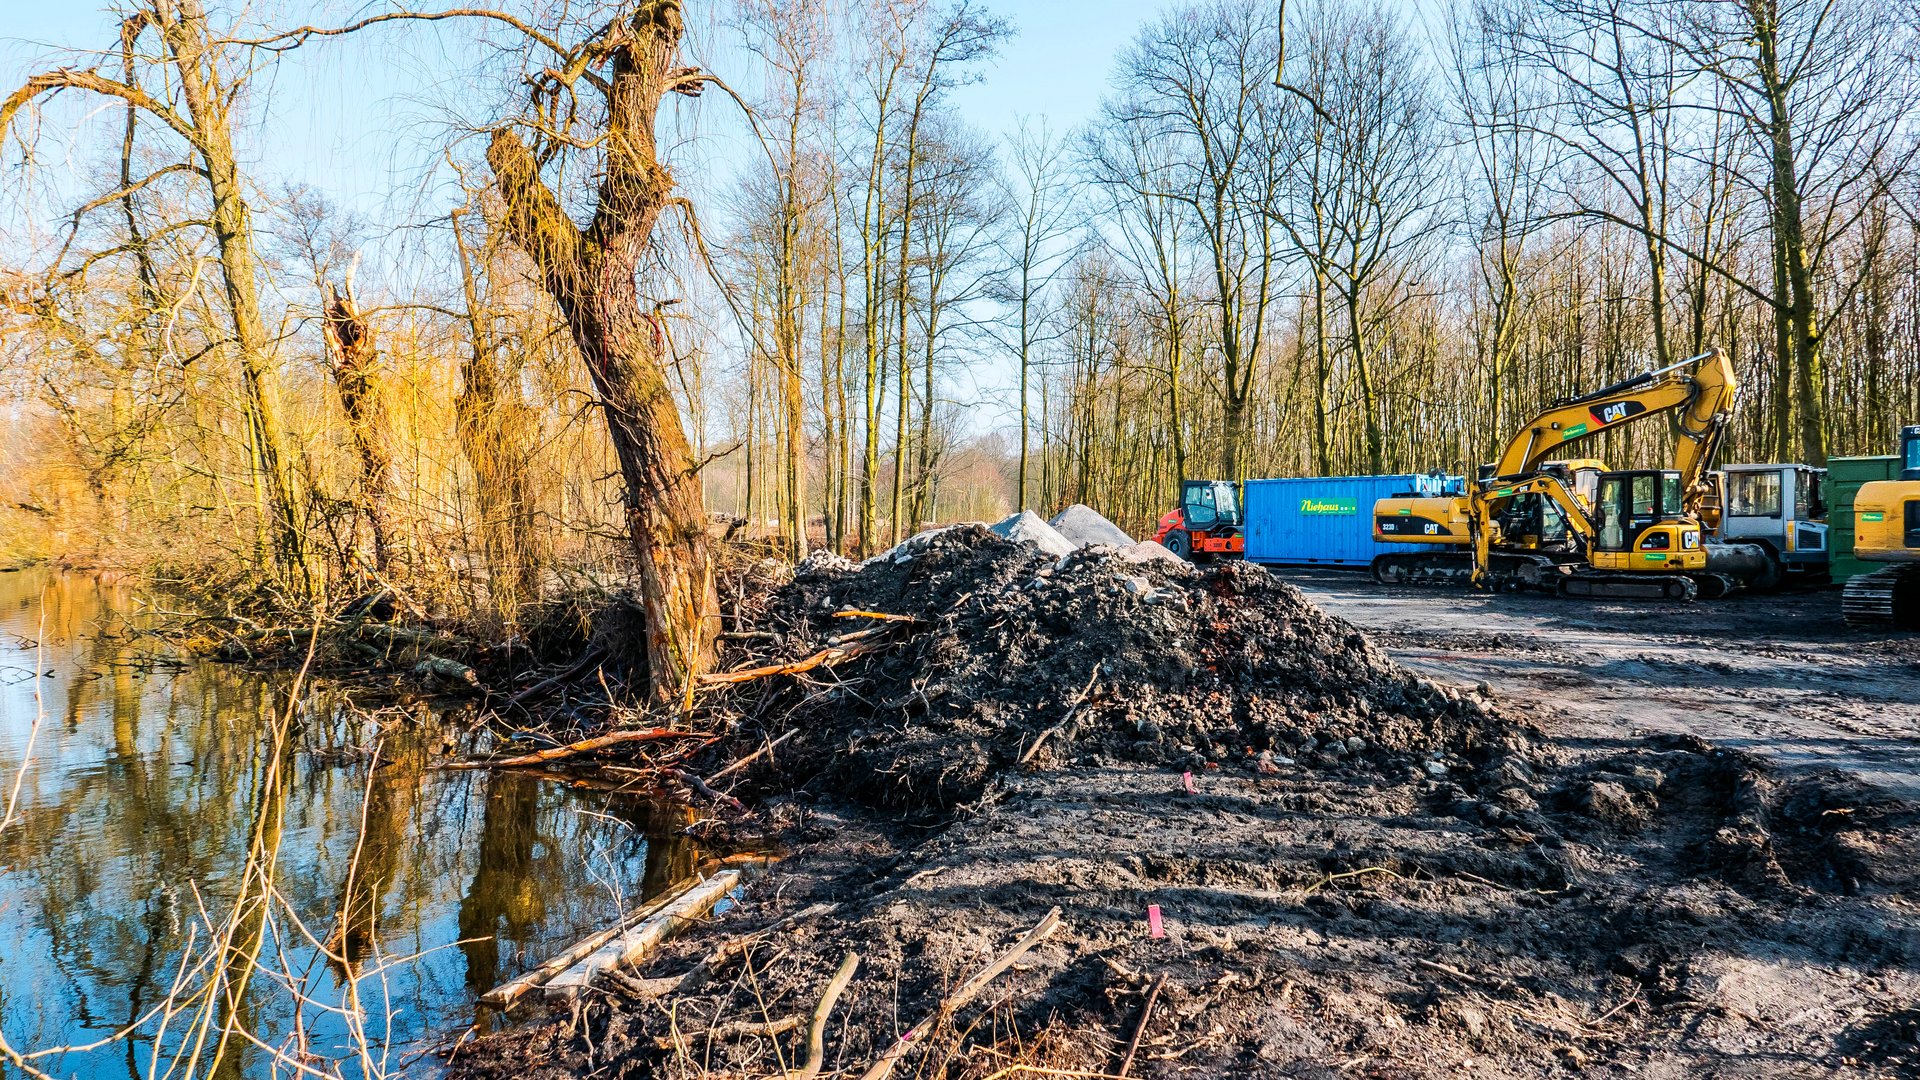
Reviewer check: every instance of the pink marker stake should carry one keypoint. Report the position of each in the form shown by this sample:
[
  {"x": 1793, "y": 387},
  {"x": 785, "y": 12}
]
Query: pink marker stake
[
  {"x": 1155, "y": 928},
  {"x": 1187, "y": 779}
]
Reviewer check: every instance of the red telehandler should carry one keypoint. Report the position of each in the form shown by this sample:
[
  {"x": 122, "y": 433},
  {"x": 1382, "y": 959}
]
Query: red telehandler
[{"x": 1207, "y": 524}]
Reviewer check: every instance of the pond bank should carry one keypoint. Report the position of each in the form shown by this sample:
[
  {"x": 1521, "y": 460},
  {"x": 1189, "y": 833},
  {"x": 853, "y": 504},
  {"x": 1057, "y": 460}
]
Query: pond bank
[{"x": 144, "y": 779}]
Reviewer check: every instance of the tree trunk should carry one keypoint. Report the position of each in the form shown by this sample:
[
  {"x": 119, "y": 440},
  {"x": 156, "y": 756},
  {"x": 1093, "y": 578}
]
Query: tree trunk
[
  {"x": 1026, "y": 348},
  {"x": 1782, "y": 359},
  {"x": 592, "y": 276},
  {"x": 1809, "y": 386},
  {"x": 194, "y": 57},
  {"x": 1363, "y": 370},
  {"x": 495, "y": 429},
  {"x": 351, "y": 340},
  {"x": 1322, "y": 378}
]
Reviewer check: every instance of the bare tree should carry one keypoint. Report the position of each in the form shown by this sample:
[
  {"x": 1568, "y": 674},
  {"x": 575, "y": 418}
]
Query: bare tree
[
  {"x": 1150, "y": 231},
  {"x": 1823, "y": 90},
  {"x": 1043, "y": 216},
  {"x": 1367, "y": 163},
  {"x": 190, "y": 88},
  {"x": 793, "y": 38},
  {"x": 1612, "y": 109},
  {"x": 1201, "y": 78},
  {"x": 1506, "y": 204}
]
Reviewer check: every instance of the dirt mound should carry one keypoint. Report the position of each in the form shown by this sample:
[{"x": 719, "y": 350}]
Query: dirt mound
[
  {"x": 1095, "y": 658},
  {"x": 1315, "y": 862}
]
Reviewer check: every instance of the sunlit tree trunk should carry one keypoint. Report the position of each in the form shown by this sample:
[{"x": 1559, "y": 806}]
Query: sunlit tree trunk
[{"x": 592, "y": 274}]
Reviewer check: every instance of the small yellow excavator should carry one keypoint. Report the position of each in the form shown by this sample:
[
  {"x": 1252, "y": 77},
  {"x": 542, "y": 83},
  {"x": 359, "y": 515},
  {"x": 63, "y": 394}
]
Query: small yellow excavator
[
  {"x": 1886, "y": 528},
  {"x": 1574, "y": 527}
]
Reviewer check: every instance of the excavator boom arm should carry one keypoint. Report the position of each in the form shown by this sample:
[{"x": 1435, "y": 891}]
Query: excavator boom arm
[{"x": 1700, "y": 388}]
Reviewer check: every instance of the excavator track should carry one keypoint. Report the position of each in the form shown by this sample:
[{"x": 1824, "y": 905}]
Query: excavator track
[
  {"x": 1455, "y": 568},
  {"x": 1594, "y": 585},
  {"x": 1888, "y": 598}
]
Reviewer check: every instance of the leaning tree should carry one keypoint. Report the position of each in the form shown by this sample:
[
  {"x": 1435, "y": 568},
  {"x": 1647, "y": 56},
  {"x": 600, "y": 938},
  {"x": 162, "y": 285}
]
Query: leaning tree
[
  {"x": 592, "y": 271},
  {"x": 592, "y": 101}
]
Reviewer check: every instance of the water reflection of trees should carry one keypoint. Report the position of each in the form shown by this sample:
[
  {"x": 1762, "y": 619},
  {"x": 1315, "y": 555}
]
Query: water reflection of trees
[{"x": 147, "y": 786}]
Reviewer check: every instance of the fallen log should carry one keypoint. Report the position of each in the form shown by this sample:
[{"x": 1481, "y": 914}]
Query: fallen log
[
  {"x": 954, "y": 1002},
  {"x": 405, "y": 635},
  {"x": 695, "y": 977},
  {"x": 504, "y": 995},
  {"x": 451, "y": 670},
  {"x": 626, "y": 948},
  {"x": 824, "y": 658},
  {"x": 584, "y": 746},
  {"x": 881, "y": 615},
  {"x": 540, "y": 689}
]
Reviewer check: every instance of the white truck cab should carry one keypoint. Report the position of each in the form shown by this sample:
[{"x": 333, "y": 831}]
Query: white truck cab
[{"x": 1783, "y": 509}]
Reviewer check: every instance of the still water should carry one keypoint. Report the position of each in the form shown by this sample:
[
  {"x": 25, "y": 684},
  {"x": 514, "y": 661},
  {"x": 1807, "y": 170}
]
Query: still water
[{"x": 142, "y": 785}]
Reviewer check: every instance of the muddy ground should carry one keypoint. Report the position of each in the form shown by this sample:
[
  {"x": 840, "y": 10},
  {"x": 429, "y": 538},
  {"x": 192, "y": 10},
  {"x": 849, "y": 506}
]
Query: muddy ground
[
  {"x": 1777, "y": 675},
  {"x": 1373, "y": 873}
]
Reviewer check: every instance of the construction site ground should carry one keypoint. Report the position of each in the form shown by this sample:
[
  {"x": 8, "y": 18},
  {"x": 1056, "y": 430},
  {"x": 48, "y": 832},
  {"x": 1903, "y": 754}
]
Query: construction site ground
[
  {"x": 1649, "y": 847},
  {"x": 1779, "y": 675}
]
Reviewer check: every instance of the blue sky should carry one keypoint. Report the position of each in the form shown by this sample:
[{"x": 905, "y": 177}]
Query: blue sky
[
  {"x": 359, "y": 120},
  {"x": 363, "y": 121}
]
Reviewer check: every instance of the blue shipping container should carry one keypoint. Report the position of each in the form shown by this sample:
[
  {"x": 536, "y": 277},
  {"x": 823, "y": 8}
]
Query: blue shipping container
[{"x": 1327, "y": 520}]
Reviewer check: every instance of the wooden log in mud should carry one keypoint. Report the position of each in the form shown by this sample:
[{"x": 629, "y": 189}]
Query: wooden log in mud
[
  {"x": 824, "y": 658},
  {"x": 450, "y": 670},
  {"x": 504, "y": 995},
  {"x": 631, "y": 945}
]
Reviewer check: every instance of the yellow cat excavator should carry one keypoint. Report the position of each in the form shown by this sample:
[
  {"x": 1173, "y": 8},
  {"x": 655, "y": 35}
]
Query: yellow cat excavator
[
  {"x": 1574, "y": 527},
  {"x": 1886, "y": 528}
]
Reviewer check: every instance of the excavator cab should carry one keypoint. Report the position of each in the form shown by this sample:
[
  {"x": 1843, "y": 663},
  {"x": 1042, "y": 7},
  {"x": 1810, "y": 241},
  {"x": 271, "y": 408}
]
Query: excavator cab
[
  {"x": 1533, "y": 521},
  {"x": 1887, "y": 530},
  {"x": 1642, "y": 525}
]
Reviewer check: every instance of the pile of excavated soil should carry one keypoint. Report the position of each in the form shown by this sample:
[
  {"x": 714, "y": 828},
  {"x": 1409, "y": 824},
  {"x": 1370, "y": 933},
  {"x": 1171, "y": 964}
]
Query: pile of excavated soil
[
  {"x": 1357, "y": 872},
  {"x": 1203, "y": 669}
]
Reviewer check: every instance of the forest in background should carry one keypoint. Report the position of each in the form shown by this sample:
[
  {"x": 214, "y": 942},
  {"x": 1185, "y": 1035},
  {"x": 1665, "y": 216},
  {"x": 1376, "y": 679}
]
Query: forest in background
[{"x": 1320, "y": 239}]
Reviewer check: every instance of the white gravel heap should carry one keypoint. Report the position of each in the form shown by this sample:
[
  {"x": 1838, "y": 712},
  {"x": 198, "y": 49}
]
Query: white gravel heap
[
  {"x": 1083, "y": 526},
  {"x": 1033, "y": 529}
]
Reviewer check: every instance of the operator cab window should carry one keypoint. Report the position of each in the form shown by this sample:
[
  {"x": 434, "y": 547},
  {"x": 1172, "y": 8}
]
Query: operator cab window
[
  {"x": 1809, "y": 495},
  {"x": 1613, "y": 530},
  {"x": 1200, "y": 508},
  {"x": 1753, "y": 494},
  {"x": 1645, "y": 497},
  {"x": 1229, "y": 505}
]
